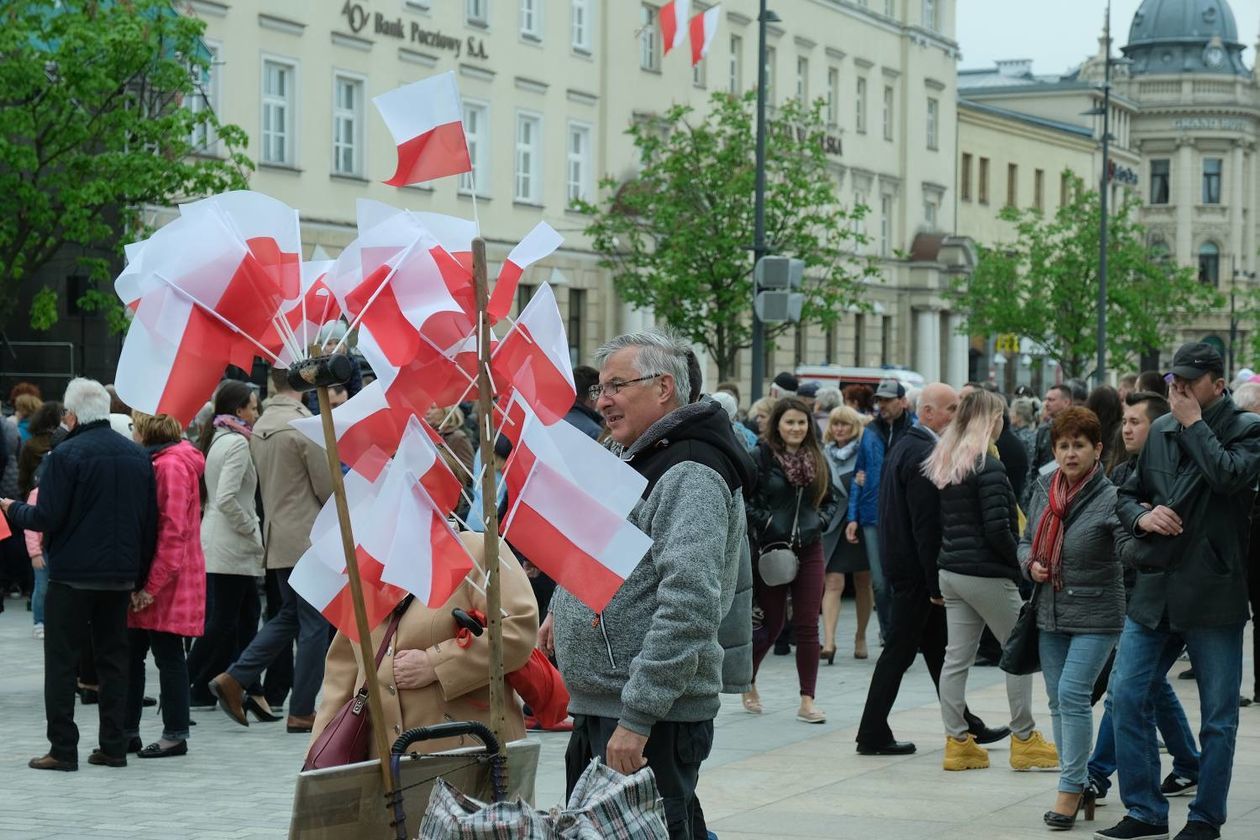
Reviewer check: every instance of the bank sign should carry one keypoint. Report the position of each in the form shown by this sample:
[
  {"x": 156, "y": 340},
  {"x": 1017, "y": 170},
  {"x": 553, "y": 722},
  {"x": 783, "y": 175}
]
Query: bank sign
[{"x": 365, "y": 23}]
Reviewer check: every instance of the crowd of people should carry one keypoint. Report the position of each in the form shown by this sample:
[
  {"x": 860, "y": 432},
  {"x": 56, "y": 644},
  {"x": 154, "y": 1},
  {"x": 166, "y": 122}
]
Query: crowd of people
[{"x": 1111, "y": 527}]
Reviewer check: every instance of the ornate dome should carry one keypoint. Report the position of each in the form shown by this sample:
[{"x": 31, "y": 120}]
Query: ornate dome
[{"x": 1185, "y": 36}]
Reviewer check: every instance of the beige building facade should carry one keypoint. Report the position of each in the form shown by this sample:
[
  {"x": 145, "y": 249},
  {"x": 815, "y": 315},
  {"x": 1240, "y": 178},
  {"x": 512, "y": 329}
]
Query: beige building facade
[{"x": 549, "y": 87}]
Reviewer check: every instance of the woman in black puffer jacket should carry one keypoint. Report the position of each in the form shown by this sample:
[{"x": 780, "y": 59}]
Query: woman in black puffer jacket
[
  {"x": 978, "y": 567},
  {"x": 792, "y": 506}
]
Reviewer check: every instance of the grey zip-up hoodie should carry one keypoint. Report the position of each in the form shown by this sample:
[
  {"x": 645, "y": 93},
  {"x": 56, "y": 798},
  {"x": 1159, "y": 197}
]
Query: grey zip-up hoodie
[{"x": 653, "y": 654}]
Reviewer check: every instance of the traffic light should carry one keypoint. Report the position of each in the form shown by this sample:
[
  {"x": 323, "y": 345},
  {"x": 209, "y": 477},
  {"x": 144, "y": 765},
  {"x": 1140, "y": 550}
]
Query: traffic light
[{"x": 777, "y": 280}]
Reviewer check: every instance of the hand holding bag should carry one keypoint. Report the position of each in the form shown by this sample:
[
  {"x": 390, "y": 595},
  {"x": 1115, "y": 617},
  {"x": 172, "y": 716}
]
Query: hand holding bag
[
  {"x": 346, "y": 737},
  {"x": 778, "y": 562},
  {"x": 1021, "y": 655}
]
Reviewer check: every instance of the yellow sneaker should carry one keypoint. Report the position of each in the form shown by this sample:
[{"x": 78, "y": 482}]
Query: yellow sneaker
[
  {"x": 965, "y": 755},
  {"x": 1033, "y": 753}
]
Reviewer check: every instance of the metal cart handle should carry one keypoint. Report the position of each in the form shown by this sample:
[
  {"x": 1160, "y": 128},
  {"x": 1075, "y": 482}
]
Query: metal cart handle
[{"x": 453, "y": 729}]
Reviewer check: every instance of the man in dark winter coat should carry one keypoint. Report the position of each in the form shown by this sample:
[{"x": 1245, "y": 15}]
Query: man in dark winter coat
[
  {"x": 583, "y": 415},
  {"x": 910, "y": 536},
  {"x": 97, "y": 508},
  {"x": 1188, "y": 505},
  {"x": 644, "y": 675}
]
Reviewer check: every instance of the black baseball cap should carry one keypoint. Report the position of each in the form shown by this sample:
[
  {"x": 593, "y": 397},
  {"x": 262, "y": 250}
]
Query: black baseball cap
[
  {"x": 1196, "y": 358},
  {"x": 787, "y": 381}
]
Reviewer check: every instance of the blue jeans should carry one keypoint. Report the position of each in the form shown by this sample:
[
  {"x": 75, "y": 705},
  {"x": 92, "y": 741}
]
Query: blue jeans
[
  {"x": 1170, "y": 720},
  {"x": 883, "y": 597},
  {"x": 37, "y": 594},
  {"x": 1216, "y": 657},
  {"x": 1071, "y": 663}
]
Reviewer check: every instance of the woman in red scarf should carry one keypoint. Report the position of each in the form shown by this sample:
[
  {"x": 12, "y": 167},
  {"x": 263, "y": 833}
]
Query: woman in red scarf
[
  {"x": 791, "y": 507},
  {"x": 1070, "y": 550}
]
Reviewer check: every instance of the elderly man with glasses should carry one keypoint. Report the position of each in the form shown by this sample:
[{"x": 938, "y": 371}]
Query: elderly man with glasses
[{"x": 644, "y": 675}]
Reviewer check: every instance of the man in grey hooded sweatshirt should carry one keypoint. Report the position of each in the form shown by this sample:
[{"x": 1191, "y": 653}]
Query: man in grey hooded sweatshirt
[{"x": 644, "y": 675}]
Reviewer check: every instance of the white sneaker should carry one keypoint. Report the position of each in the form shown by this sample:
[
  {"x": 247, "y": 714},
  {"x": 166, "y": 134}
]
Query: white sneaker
[{"x": 38, "y": 632}]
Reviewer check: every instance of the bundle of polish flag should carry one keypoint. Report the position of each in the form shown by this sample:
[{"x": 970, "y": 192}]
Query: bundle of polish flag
[{"x": 225, "y": 282}]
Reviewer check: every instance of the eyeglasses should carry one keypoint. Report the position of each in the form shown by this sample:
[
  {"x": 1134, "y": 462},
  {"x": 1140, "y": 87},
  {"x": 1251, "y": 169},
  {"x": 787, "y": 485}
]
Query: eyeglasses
[{"x": 613, "y": 388}]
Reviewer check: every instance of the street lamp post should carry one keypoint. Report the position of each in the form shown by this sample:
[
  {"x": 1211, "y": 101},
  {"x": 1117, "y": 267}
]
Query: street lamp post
[
  {"x": 759, "y": 201},
  {"x": 1100, "y": 371}
]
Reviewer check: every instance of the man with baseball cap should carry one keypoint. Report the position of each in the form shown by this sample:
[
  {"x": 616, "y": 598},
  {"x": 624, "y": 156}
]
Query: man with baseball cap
[
  {"x": 784, "y": 385},
  {"x": 891, "y": 422},
  {"x": 1186, "y": 506}
]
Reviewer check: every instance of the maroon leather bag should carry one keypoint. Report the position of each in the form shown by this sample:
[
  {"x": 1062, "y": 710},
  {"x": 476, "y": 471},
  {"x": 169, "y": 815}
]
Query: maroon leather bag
[{"x": 346, "y": 737}]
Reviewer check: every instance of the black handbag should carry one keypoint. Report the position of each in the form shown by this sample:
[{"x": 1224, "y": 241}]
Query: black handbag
[{"x": 1021, "y": 655}]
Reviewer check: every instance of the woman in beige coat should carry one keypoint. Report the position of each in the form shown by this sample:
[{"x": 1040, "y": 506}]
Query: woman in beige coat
[
  {"x": 425, "y": 677},
  {"x": 231, "y": 541}
]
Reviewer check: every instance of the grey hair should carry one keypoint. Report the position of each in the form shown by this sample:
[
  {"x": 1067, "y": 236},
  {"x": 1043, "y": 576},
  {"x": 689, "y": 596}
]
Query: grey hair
[
  {"x": 827, "y": 399},
  {"x": 659, "y": 353},
  {"x": 912, "y": 398},
  {"x": 88, "y": 399},
  {"x": 1247, "y": 397},
  {"x": 1025, "y": 409},
  {"x": 727, "y": 401}
]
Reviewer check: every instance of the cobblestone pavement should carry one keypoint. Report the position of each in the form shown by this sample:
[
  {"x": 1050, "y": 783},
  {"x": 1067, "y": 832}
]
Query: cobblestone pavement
[{"x": 768, "y": 776}]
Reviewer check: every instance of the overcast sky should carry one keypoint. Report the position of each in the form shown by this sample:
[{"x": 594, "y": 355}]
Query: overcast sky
[{"x": 1058, "y": 34}]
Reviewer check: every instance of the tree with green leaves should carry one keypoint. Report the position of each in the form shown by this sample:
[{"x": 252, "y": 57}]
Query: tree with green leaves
[
  {"x": 1043, "y": 285},
  {"x": 94, "y": 128},
  {"x": 678, "y": 235}
]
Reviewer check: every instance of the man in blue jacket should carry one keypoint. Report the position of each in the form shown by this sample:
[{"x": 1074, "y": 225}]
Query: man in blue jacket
[
  {"x": 893, "y": 421},
  {"x": 97, "y": 510}
]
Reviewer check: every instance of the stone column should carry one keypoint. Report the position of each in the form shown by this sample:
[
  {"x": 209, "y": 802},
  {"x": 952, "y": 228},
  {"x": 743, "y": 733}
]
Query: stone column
[
  {"x": 927, "y": 343},
  {"x": 1187, "y": 198},
  {"x": 1238, "y": 190},
  {"x": 955, "y": 373}
]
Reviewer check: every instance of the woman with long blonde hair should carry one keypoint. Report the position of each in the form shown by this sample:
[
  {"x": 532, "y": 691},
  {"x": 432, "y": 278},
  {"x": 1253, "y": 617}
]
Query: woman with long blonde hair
[
  {"x": 978, "y": 569},
  {"x": 840, "y": 445}
]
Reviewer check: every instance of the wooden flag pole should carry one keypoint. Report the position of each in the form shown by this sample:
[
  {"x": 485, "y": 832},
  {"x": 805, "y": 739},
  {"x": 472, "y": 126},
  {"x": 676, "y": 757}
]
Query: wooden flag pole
[
  {"x": 356, "y": 593},
  {"x": 490, "y": 506}
]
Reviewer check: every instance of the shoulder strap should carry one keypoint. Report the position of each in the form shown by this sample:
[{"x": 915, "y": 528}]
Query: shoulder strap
[{"x": 390, "y": 631}]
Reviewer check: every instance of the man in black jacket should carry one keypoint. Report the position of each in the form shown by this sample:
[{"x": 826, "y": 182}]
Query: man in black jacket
[
  {"x": 1187, "y": 503},
  {"x": 97, "y": 509},
  {"x": 910, "y": 538}
]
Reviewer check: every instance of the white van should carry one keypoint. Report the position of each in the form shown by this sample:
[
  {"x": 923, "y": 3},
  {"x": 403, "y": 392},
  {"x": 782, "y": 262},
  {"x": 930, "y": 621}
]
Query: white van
[{"x": 837, "y": 376}]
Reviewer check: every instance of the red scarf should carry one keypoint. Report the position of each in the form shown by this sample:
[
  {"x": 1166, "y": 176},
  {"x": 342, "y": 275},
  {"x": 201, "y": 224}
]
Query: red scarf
[{"x": 1047, "y": 546}]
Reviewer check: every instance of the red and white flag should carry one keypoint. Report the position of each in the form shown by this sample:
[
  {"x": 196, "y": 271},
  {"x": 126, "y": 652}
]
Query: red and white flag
[
  {"x": 703, "y": 27},
  {"x": 575, "y": 539},
  {"x": 533, "y": 358},
  {"x": 306, "y": 314},
  {"x": 573, "y": 454},
  {"x": 427, "y": 122},
  {"x": 672, "y": 15},
  {"x": 537, "y": 244}
]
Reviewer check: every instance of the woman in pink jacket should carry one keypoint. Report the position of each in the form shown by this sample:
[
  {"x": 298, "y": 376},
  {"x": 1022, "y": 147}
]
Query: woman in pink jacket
[{"x": 172, "y": 602}]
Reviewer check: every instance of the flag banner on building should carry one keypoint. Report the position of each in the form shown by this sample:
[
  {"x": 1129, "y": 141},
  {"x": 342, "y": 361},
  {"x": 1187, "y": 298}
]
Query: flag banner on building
[
  {"x": 533, "y": 359},
  {"x": 703, "y": 27},
  {"x": 426, "y": 121},
  {"x": 573, "y": 537},
  {"x": 672, "y": 15},
  {"x": 539, "y": 243}
]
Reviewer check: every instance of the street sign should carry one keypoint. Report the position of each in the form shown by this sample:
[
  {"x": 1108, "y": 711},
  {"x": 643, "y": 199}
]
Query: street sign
[{"x": 1007, "y": 343}]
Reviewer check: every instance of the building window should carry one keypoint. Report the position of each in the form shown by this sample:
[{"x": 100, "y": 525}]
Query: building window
[
  {"x": 649, "y": 39},
  {"x": 531, "y": 19},
  {"x": 1211, "y": 180},
  {"x": 829, "y": 355},
  {"x": 578, "y": 171},
  {"x": 964, "y": 184},
  {"x": 859, "y": 339},
  {"x": 1159, "y": 181},
  {"x": 528, "y": 158},
  {"x": 929, "y": 15},
  {"x": 577, "y": 314},
  {"x": 885, "y": 340},
  {"x": 580, "y": 25},
  {"x": 205, "y": 97},
  {"x": 802, "y": 79},
  {"x": 833, "y": 96},
  {"x": 933, "y": 123},
  {"x": 885, "y": 225},
  {"x": 735, "y": 83},
  {"x": 930, "y": 213},
  {"x": 772, "y": 55},
  {"x": 277, "y": 112},
  {"x": 1209, "y": 264},
  {"x": 347, "y": 126},
  {"x": 888, "y": 112},
  {"x": 1159, "y": 249},
  {"x": 477, "y": 134},
  {"x": 524, "y": 293},
  {"x": 860, "y": 101},
  {"x": 800, "y": 345},
  {"x": 478, "y": 11},
  {"x": 1065, "y": 189},
  {"x": 890, "y": 8},
  {"x": 1012, "y": 185},
  {"x": 983, "y": 192},
  {"x": 1039, "y": 189}
]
